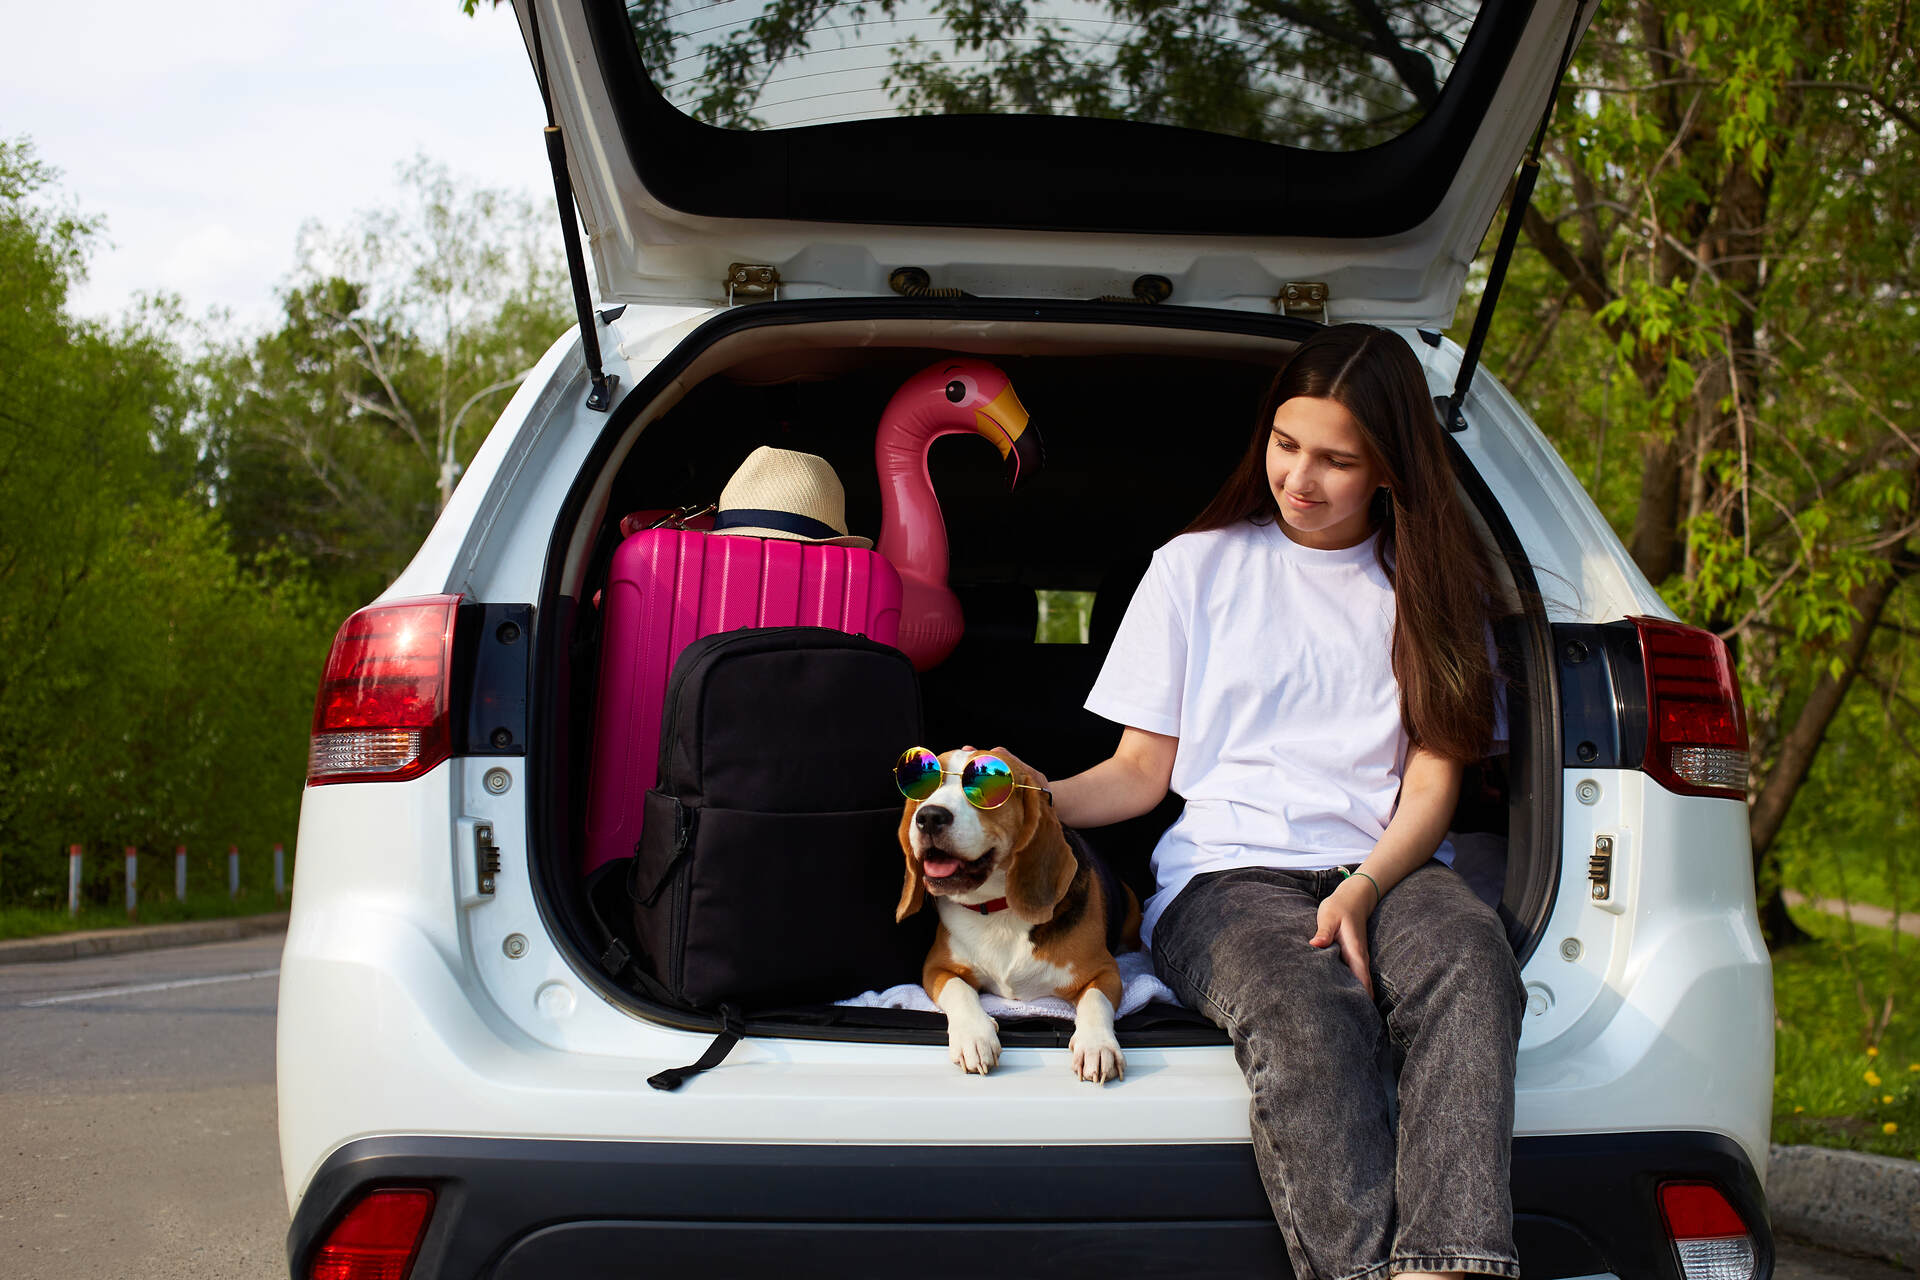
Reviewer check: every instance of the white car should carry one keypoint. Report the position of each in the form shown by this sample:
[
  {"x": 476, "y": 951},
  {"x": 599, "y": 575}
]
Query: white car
[{"x": 463, "y": 1083}]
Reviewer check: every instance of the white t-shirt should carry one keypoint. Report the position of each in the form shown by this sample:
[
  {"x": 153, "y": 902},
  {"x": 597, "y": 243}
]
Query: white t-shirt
[{"x": 1272, "y": 663}]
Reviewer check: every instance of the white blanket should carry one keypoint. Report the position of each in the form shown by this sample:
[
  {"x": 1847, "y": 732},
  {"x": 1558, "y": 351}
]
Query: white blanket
[{"x": 1138, "y": 986}]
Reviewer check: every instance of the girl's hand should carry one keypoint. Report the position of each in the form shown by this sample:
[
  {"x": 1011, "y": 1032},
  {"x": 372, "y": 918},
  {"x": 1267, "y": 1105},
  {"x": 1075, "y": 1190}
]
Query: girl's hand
[
  {"x": 1021, "y": 766},
  {"x": 1342, "y": 921},
  {"x": 1125, "y": 785}
]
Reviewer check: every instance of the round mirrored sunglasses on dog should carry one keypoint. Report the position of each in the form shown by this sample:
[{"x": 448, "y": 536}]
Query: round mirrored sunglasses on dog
[{"x": 986, "y": 781}]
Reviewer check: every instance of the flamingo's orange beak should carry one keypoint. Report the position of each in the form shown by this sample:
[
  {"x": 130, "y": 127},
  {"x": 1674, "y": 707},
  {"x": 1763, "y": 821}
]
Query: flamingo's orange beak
[{"x": 1003, "y": 420}]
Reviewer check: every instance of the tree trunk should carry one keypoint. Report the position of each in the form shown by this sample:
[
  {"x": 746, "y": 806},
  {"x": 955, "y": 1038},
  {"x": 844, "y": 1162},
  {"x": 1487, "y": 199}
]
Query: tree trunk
[
  {"x": 1655, "y": 524},
  {"x": 1777, "y": 925},
  {"x": 1797, "y": 751},
  {"x": 1802, "y": 742}
]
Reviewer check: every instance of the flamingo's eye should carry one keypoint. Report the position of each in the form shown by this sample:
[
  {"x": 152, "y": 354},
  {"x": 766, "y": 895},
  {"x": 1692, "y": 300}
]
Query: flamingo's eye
[{"x": 956, "y": 391}]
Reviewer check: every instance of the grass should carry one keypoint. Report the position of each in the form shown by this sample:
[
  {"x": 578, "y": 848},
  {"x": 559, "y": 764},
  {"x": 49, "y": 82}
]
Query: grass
[
  {"x": 36, "y": 922},
  {"x": 1836, "y": 1082}
]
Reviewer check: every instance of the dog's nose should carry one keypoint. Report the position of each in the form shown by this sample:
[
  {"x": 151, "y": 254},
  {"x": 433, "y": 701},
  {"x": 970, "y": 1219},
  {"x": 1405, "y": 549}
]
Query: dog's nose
[{"x": 933, "y": 818}]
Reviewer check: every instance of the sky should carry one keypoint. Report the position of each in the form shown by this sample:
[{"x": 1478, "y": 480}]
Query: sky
[{"x": 207, "y": 133}]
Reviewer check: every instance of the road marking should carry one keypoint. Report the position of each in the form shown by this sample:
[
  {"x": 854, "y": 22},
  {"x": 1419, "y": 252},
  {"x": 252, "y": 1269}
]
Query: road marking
[{"x": 104, "y": 992}]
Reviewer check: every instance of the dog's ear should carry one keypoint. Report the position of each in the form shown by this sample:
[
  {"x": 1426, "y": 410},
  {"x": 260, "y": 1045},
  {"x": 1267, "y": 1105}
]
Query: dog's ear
[
  {"x": 913, "y": 894},
  {"x": 1043, "y": 865}
]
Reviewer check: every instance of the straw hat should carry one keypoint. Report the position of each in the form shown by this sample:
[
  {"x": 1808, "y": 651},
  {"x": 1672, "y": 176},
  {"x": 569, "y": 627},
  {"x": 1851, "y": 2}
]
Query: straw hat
[{"x": 779, "y": 493}]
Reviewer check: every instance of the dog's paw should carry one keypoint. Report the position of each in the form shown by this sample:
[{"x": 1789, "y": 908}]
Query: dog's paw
[
  {"x": 1096, "y": 1056},
  {"x": 974, "y": 1049}
]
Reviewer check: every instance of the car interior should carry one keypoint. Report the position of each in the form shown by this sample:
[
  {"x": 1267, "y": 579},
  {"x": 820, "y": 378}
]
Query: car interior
[{"x": 1135, "y": 445}]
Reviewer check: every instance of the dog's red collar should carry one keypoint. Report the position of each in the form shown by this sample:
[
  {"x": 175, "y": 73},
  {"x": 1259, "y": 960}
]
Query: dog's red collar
[{"x": 988, "y": 908}]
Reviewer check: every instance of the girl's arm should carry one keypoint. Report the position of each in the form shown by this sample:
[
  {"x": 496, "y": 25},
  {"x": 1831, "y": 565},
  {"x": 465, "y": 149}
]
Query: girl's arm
[
  {"x": 1429, "y": 787},
  {"x": 1125, "y": 785}
]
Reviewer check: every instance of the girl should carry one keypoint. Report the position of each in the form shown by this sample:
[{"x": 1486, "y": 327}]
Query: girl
[{"x": 1307, "y": 664}]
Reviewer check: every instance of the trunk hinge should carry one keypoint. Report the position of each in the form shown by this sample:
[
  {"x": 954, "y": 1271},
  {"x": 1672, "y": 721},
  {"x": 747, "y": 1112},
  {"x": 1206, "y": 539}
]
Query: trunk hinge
[
  {"x": 1450, "y": 413},
  {"x": 601, "y": 395},
  {"x": 750, "y": 280},
  {"x": 1306, "y": 300}
]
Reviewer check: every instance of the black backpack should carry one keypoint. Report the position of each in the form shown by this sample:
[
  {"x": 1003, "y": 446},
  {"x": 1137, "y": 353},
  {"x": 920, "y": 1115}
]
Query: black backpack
[{"x": 769, "y": 866}]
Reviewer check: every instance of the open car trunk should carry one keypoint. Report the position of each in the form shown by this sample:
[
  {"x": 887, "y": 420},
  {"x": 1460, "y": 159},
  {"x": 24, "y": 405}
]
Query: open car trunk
[{"x": 1143, "y": 413}]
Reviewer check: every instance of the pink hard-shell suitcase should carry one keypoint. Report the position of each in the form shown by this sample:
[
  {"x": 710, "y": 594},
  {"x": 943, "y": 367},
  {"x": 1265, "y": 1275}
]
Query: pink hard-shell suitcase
[{"x": 669, "y": 587}]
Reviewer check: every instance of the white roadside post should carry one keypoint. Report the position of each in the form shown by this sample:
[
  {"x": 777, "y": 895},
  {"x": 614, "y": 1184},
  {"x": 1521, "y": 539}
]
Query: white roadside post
[
  {"x": 133, "y": 877},
  {"x": 279, "y": 871},
  {"x": 180, "y": 873},
  {"x": 73, "y": 880},
  {"x": 233, "y": 871}
]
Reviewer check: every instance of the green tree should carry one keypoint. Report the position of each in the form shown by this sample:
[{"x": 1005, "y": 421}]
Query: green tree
[
  {"x": 1724, "y": 285},
  {"x": 340, "y": 434},
  {"x": 151, "y": 692}
]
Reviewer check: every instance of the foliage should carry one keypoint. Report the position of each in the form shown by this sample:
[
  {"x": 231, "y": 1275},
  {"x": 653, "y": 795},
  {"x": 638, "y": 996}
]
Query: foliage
[
  {"x": 152, "y": 691},
  {"x": 1722, "y": 270},
  {"x": 179, "y": 535},
  {"x": 339, "y": 436},
  {"x": 1064, "y": 616}
]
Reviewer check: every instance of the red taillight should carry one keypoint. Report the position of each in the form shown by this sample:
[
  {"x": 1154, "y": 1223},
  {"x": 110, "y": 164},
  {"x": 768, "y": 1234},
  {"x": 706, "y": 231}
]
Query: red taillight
[
  {"x": 382, "y": 711},
  {"x": 1696, "y": 722},
  {"x": 1707, "y": 1232},
  {"x": 377, "y": 1240}
]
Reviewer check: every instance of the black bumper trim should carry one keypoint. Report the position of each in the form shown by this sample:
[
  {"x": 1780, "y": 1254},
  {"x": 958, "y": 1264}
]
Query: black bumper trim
[{"x": 509, "y": 1208}]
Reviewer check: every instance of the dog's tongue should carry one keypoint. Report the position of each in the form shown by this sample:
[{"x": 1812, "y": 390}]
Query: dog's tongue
[{"x": 938, "y": 867}]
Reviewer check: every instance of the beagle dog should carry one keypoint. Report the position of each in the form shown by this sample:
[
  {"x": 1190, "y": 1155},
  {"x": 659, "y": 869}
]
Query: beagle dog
[{"x": 1025, "y": 910}]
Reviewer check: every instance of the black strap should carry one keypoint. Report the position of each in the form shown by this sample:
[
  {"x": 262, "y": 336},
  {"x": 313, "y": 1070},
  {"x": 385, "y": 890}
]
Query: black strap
[
  {"x": 616, "y": 958},
  {"x": 666, "y": 878},
  {"x": 732, "y": 1028}
]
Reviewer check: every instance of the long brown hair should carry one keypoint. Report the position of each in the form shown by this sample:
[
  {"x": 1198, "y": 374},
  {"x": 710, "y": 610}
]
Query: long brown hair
[{"x": 1443, "y": 583}]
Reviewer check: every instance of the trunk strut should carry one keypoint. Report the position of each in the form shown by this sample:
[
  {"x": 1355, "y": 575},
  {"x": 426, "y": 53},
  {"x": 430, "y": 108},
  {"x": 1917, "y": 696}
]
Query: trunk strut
[
  {"x": 1451, "y": 415},
  {"x": 601, "y": 396}
]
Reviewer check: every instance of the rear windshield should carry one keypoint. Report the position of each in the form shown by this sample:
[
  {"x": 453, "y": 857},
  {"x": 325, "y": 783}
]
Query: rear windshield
[{"x": 1322, "y": 75}]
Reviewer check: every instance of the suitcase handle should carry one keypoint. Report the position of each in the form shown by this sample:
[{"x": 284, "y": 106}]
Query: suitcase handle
[{"x": 678, "y": 519}]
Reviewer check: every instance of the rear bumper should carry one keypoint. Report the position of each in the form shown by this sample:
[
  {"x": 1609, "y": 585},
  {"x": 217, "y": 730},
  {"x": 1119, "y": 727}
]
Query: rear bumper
[{"x": 512, "y": 1208}]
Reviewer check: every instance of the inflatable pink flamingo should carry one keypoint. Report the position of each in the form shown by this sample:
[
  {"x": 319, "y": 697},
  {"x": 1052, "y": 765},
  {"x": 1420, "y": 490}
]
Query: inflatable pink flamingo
[{"x": 948, "y": 398}]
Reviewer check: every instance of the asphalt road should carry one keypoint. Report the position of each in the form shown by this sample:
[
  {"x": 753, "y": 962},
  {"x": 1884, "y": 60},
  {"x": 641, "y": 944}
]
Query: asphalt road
[
  {"x": 139, "y": 1123},
  {"x": 137, "y": 1108}
]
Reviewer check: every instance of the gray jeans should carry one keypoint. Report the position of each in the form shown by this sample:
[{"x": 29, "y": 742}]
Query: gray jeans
[{"x": 1354, "y": 1198}]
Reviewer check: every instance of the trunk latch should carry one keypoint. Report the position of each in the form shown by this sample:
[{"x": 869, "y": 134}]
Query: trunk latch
[
  {"x": 1306, "y": 300},
  {"x": 747, "y": 281},
  {"x": 486, "y": 855},
  {"x": 1600, "y": 868}
]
